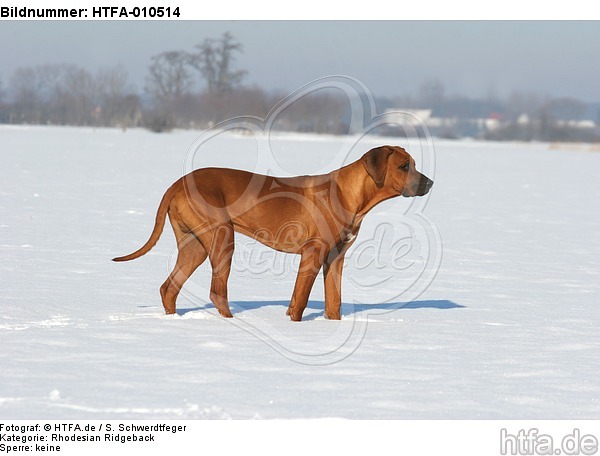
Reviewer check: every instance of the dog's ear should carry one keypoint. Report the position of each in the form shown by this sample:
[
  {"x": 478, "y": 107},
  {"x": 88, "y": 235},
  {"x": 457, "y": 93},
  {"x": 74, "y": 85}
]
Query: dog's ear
[{"x": 375, "y": 162}]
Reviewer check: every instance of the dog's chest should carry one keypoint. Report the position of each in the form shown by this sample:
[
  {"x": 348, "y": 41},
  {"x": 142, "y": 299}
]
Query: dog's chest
[
  {"x": 349, "y": 237},
  {"x": 352, "y": 231}
]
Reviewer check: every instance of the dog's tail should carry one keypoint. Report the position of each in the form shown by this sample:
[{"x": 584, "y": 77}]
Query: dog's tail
[{"x": 161, "y": 215}]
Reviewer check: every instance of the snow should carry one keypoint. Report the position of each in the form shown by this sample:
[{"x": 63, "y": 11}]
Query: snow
[{"x": 481, "y": 303}]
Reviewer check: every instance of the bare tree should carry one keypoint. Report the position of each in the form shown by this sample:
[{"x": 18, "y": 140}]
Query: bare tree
[
  {"x": 214, "y": 60},
  {"x": 4, "y": 108},
  {"x": 112, "y": 82},
  {"x": 169, "y": 77},
  {"x": 26, "y": 94},
  {"x": 324, "y": 111},
  {"x": 68, "y": 94},
  {"x": 33, "y": 90},
  {"x": 77, "y": 96},
  {"x": 114, "y": 102}
]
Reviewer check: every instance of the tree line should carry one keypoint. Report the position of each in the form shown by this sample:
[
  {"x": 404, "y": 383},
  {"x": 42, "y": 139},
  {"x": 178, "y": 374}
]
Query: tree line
[
  {"x": 203, "y": 86},
  {"x": 183, "y": 89},
  {"x": 63, "y": 94}
]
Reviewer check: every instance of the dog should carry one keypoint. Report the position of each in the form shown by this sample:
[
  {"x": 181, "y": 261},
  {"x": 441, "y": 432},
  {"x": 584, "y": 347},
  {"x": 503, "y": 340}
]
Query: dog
[{"x": 317, "y": 217}]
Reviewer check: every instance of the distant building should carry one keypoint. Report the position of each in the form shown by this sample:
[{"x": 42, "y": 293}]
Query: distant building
[
  {"x": 403, "y": 116},
  {"x": 497, "y": 125}
]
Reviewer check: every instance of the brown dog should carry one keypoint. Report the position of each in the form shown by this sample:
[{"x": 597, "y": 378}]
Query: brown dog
[{"x": 317, "y": 217}]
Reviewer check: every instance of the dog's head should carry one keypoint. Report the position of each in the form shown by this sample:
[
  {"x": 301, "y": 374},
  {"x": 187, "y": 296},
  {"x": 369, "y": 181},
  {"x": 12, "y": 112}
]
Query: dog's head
[{"x": 393, "y": 169}]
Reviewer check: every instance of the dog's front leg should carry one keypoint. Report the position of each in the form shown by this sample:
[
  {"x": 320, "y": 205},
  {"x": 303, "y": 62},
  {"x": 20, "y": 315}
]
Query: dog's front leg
[
  {"x": 312, "y": 258},
  {"x": 332, "y": 274}
]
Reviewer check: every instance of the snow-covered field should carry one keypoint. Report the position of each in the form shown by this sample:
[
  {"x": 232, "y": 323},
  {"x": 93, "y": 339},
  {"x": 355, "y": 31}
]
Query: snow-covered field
[{"x": 487, "y": 307}]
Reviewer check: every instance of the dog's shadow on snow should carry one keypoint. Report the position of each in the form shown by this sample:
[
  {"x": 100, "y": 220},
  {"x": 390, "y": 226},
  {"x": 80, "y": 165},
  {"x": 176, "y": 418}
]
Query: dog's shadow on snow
[{"x": 315, "y": 308}]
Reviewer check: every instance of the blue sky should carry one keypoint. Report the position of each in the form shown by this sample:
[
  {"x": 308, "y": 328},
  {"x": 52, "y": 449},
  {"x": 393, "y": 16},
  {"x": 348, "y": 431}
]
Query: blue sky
[{"x": 473, "y": 58}]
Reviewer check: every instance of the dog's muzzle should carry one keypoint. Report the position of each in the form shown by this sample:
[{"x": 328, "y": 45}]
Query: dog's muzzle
[
  {"x": 424, "y": 185},
  {"x": 420, "y": 188}
]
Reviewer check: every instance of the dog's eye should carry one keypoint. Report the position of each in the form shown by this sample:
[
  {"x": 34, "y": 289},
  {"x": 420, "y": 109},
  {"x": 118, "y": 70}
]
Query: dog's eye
[{"x": 405, "y": 167}]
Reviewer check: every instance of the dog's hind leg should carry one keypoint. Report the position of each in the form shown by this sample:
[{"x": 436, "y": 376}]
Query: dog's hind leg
[
  {"x": 191, "y": 254},
  {"x": 220, "y": 254}
]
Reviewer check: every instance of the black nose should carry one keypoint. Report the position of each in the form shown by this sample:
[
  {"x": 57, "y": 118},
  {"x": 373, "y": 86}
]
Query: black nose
[{"x": 424, "y": 185}]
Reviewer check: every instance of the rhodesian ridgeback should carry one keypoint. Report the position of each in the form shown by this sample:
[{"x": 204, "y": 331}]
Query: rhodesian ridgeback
[{"x": 317, "y": 217}]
